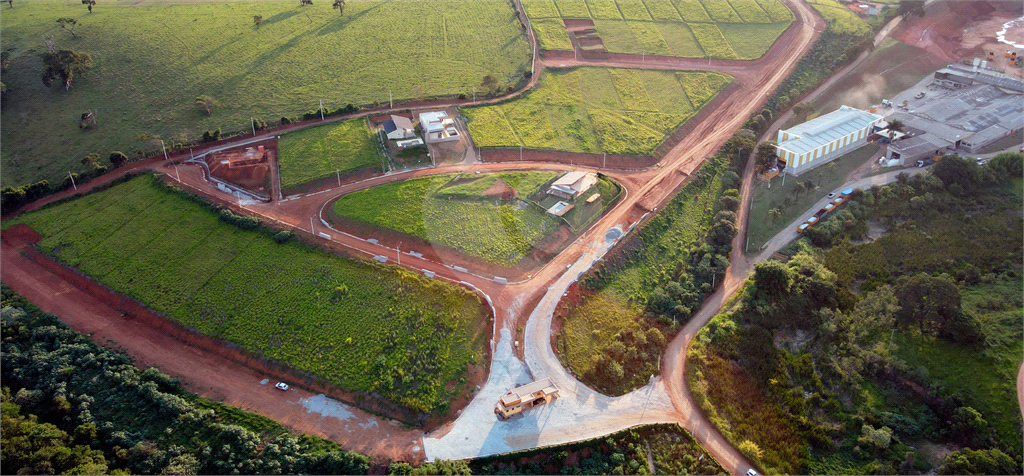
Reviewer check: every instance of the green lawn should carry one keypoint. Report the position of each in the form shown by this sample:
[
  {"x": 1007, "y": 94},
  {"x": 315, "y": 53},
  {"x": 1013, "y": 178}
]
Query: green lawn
[
  {"x": 452, "y": 211},
  {"x": 618, "y": 111},
  {"x": 760, "y": 228},
  {"x": 742, "y": 29},
  {"x": 324, "y": 150},
  {"x": 363, "y": 327},
  {"x": 152, "y": 59}
]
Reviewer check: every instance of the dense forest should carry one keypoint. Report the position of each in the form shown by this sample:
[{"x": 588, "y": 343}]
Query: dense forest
[
  {"x": 889, "y": 340},
  {"x": 71, "y": 406}
]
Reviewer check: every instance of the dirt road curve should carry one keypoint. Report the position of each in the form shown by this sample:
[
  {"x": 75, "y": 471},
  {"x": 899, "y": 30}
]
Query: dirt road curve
[
  {"x": 587, "y": 414},
  {"x": 204, "y": 373}
]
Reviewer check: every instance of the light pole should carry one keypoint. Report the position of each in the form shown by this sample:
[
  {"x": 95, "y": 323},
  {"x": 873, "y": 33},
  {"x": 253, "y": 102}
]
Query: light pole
[
  {"x": 321, "y": 109},
  {"x": 391, "y": 101},
  {"x": 474, "y": 96},
  {"x": 253, "y": 123},
  {"x": 398, "y": 252},
  {"x": 72, "y": 177}
]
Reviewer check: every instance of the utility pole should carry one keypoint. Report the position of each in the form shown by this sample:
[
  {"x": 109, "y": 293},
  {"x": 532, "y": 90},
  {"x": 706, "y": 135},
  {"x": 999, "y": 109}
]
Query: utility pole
[
  {"x": 321, "y": 109},
  {"x": 398, "y": 251},
  {"x": 520, "y": 153},
  {"x": 391, "y": 102},
  {"x": 253, "y": 122},
  {"x": 191, "y": 154},
  {"x": 72, "y": 177},
  {"x": 643, "y": 56},
  {"x": 474, "y": 96},
  {"x": 311, "y": 226},
  {"x": 604, "y": 161}
]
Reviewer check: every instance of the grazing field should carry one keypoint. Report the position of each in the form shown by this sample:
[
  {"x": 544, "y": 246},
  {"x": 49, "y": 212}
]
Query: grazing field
[
  {"x": 733, "y": 29},
  {"x": 551, "y": 34},
  {"x": 457, "y": 212},
  {"x": 320, "y": 151},
  {"x": 363, "y": 327},
  {"x": 152, "y": 59},
  {"x": 618, "y": 111}
]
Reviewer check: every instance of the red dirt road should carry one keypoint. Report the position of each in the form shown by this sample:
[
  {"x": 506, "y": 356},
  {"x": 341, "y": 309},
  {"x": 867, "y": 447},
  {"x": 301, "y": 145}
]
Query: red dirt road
[{"x": 204, "y": 373}]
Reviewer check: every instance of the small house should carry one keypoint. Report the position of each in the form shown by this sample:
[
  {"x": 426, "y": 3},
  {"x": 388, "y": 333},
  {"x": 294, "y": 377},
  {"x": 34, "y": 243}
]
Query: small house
[
  {"x": 573, "y": 184},
  {"x": 398, "y": 127}
]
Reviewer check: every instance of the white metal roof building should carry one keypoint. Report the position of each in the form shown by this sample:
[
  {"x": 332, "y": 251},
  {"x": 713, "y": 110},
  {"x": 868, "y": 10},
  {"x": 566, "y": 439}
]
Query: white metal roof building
[{"x": 822, "y": 139}]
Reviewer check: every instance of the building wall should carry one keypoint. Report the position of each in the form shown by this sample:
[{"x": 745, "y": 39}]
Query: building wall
[{"x": 799, "y": 163}]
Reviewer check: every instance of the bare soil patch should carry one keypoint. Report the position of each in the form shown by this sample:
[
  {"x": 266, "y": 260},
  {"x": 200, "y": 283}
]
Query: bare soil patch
[
  {"x": 501, "y": 191},
  {"x": 246, "y": 166}
]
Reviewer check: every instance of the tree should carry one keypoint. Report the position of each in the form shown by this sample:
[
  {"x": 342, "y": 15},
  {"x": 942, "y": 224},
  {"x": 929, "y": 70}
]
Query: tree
[
  {"x": 117, "y": 158},
  {"x": 340, "y": 6},
  {"x": 968, "y": 461},
  {"x": 832, "y": 168},
  {"x": 772, "y": 278},
  {"x": 926, "y": 301},
  {"x": 64, "y": 22},
  {"x": 957, "y": 170},
  {"x": 798, "y": 188},
  {"x": 911, "y": 7},
  {"x": 775, "y": 214},
  {"x": 895, "y": 126},
  {"x": 89, "y": 3},
  {"x": 92, "y": 160},
  {"x": 257, "y": 20},
  {"x": 303, "y": 3},
  {"x": 489, "y": 82},
  {"x": 969, "y": 427},
  {"x": 64, "y": 65},
  {"x": 766, "y": 155},
  {"x": 206, "y": 104}
]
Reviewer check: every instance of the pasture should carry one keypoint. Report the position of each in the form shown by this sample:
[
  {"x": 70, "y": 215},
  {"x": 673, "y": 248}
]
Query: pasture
[
  {"x": 733, "y": 29},
  {"x": 151, "y": 61},
  {"x": 324, "y": 150},
  {"x": 594, "y": 110},
  {"x": 467, "y": 214},
  {"x": 361, "y": 326}
]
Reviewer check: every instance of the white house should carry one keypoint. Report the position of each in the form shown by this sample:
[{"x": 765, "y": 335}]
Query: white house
[
  {"x": 438, "y": 127},
  {"x": 399, "y": 127},
  {"x": 572, "y": 185},
  {"x": 822, "y": 139}
]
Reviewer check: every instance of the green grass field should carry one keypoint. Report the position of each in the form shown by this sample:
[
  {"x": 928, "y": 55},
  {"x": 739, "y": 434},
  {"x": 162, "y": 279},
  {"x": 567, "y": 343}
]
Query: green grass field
[
  {"x": 363, "y": 327},
  {"x": 452, "y": 211},
  {"x": 734, "y": 29},
  {"x": 324, "y": 150},
  {"x": 151, "y": 60},
  {"x": 618, "y": 111}
]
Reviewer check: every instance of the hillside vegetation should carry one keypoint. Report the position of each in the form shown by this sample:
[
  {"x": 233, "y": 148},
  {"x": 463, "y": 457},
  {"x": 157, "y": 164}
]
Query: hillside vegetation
[
  {"x": 151, "y": 60},
  {"x": 613, "y": 110},
  {"x": 71, "y": 406},
  {"x": 324, "y": 150},
  {"x": 861, "y": 357},
  {"x": 363, "y": 327}
]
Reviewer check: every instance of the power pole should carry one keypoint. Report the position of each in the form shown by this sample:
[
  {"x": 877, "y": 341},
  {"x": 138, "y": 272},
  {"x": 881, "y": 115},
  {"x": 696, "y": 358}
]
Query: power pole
[
  {"x": 311, "y": 226},
  {"x": 474, "y": 96},
  {"x": 520, "y": 153},
  {"x": 339, "y": 177},
  {"x": 253, "y": 123},
  {"x": 321, "y": 109},
  {"x": 643, "y": 56},
  {"x": 398, "y": 251},
  {"x": 391, "y": 102},
  {"x": 604, "y": 161},
  {"x": 72, "y": 177}
]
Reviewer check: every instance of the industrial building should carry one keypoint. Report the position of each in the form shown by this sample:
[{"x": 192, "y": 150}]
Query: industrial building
[
  {"x": 964, "y": 109},
  {"x": 824, "y": 138}
]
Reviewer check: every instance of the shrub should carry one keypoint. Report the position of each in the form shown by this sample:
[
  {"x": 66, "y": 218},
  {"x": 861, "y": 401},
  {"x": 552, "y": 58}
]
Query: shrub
[
  {"x": 117, "y": 158},
  {"x": 285, "y": 120},
  {"x": 283, "y": 236}
]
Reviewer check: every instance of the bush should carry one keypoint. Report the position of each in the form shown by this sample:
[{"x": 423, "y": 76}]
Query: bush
[
  {"x": 282, "y": 236},
  {"x": 241, "y": 221},
  {"x": 285, "y": 120},
  {"x": 117, "y": 158}
]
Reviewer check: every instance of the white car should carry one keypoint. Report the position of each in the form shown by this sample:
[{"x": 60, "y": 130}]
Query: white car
[
  {"x": 751, "y": 472},
  {"x": 281, "y": 386},
  {"x": 832, "y": 195}
]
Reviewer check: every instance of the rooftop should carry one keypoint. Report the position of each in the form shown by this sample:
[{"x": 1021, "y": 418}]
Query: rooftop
[{"x": 827, "y": 128}]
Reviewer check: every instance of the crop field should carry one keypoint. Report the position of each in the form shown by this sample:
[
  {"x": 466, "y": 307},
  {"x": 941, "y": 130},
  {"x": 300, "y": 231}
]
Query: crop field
[
  {"x": 733, "y": 29},
  {"x": 551, "y": 34},
  {"x": 618, "y": 111},
  {"x": 363, "y": 327},
  {"x": 840, "y": 19},
  {"x": 324, "y": 150},
  {"x": 151, "y": 60}
]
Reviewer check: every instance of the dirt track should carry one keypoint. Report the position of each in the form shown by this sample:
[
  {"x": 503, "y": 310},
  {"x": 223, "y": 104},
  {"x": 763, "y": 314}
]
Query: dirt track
[{"x": 645, "y": 190}]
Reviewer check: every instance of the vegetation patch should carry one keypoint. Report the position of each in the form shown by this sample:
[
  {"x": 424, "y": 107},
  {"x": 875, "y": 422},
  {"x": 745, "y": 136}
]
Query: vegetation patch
[
  {"x": 325, "y": 150},
  {"x": 551, "y": 34},
  {"x": 618, "y": 111},
  {"x": 458, "y": 211},
  {"x": 71, "y": 406},
  {"x": 613, "y": 334},
  {"x": 151, "y": 61},
  {"x": 837, "y": 366},
  {"x": 669, "y": 447},
  {"x": 362, "y": 327},
  {"x": 751, "y": 41}
]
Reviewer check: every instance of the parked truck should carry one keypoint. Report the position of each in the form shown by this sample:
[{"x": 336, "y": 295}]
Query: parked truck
[{"x": 525, "y": 397}]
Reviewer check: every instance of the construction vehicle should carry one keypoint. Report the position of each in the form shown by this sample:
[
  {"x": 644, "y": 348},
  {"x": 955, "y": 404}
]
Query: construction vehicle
[{"x": 525, "y": 397}]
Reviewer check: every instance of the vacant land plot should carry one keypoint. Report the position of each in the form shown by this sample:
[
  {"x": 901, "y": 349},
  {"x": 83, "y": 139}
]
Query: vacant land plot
[
  {"x": 363, "y": 327},
  {"x": 466, "y": 213},
  {"x": 151, "y": 60},
  {"x": 735, "y": 29},
  {"x": 551, "y": 34},
  {"x": 324, "y": 150},
  {"x": 618, "y": 111}
]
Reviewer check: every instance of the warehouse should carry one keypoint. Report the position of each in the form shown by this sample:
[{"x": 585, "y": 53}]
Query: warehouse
[{"x": 822, "y": 139}]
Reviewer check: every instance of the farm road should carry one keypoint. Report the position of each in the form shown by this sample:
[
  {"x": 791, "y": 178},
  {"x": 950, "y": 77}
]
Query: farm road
[{"x": 646, "y": 190}]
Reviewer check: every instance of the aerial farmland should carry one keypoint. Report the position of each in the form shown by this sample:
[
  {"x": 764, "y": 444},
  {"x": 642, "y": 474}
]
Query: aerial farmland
[{"x": 509, "y": 237}]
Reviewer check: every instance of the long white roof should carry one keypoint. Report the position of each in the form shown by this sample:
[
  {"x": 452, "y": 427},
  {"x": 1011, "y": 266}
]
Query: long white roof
[{"x": 825, "y": 129}]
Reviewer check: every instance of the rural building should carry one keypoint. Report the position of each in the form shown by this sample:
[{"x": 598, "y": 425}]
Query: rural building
[
  {"x": 398, "y": 127},
  {"x": 526, "y": 397},
  {"x": 438, "y": 127},
  {"x": 962, "y": 118},
  {"x": 572, "y": 185},
  {"x": 822, "y": 139}
]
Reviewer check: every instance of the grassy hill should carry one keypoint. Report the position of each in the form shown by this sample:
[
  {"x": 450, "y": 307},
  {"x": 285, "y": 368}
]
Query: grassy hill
[{"x": 152, "y": 59}]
